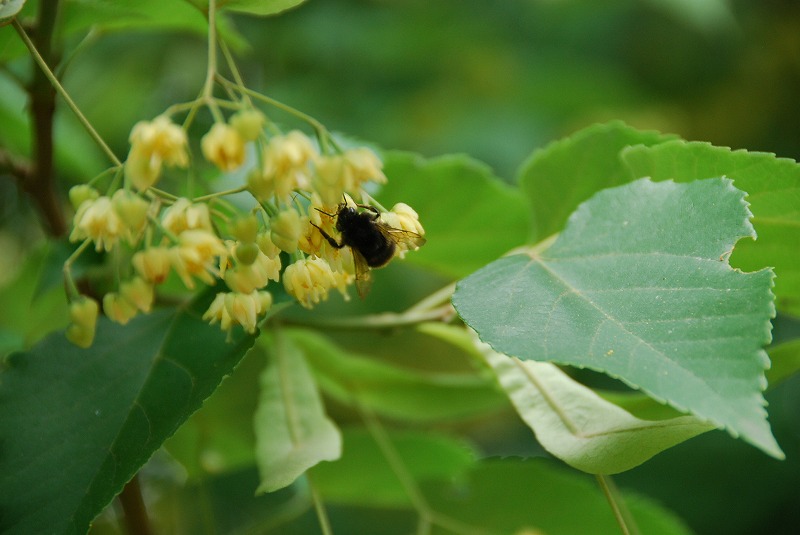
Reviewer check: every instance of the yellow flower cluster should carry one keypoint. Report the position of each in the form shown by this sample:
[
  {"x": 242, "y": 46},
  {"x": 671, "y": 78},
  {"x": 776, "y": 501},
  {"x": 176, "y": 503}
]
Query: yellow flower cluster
[{"x": 297, "y": 190}]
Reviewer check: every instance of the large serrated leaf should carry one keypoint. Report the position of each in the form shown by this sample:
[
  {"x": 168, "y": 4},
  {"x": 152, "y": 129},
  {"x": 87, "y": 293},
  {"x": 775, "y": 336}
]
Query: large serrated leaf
[
  {"x": 638, "y": 286},
  {"x": 293, "y": 433},
  {"x": 77, "y": 424},
  {"x": 567, "y": 172},
  {"x": 579, "y": 427},
  {"x": 773, "y": 191}
]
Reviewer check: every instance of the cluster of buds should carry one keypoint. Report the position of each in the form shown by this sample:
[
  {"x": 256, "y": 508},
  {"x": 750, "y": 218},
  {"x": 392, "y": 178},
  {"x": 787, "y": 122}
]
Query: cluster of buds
[{"x": 296, "y": 190}]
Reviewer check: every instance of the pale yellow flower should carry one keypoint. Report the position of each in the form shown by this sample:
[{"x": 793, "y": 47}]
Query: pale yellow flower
[
  {"x": 152, "y": 264},
  {"x": 185, "y": 215},
  {"x": 83, "y": 316},
  {"x": 96, "y": 219},
  {"x": 309, "y": 281},
  {"x": 286, "y": 165},
  {"x": 138, "y": 292},
  {"x": 118, "y": 309},
  {"x": 154, "y": 144},
  {"x": 246, "y": 278},
  {"x": 195, "y": 256},
  {"x": 232, "y": 308},
  {"x": 223, "y": 146}
]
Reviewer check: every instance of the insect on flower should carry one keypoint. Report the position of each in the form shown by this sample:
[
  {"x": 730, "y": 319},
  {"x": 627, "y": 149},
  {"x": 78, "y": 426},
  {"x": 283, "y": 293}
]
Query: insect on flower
[{"x": 372, "y": 241}]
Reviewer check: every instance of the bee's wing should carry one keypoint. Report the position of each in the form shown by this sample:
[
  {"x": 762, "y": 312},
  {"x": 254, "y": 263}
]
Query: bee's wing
[
  {"x": 363, "y": 275},
  {"x": 411, "y": 240}
]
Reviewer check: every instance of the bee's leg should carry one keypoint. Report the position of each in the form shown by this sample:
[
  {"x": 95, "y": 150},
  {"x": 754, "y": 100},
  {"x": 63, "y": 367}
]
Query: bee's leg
[
  {"x": 330, "y": 240},
  {"x": 376, "y": 212}
]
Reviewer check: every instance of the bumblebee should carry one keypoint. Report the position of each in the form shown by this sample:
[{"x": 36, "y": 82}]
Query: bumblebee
[{"x": 372, "y": 241}]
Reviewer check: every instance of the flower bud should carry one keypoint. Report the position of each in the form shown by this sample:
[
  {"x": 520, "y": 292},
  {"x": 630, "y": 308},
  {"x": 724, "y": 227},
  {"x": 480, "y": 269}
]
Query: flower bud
[
  {"x": 248, "y": 123},
  {"x": 285, "y": 229},
  {"x": 83, "y": 315},
  {"x": 247, "y": 253},
  {"x": 245, "y": 229},
  {"x": 80, "y": 193},
  {"x": 132, "y": 210}
]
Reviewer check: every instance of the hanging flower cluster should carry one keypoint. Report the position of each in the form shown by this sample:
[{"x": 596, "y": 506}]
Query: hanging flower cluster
[{"x": 285, "y": 238}]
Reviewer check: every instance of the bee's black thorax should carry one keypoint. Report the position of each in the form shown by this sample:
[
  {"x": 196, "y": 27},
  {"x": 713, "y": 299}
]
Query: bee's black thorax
[{"x": 360, "y": 231}]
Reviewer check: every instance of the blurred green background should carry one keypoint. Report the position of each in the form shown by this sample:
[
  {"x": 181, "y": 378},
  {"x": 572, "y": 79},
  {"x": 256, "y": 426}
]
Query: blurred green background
[{"x": 494, "y": 80}]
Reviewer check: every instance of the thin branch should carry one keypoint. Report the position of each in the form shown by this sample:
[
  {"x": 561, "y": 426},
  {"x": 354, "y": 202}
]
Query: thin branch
[
  {"x": 136, "y": 520},
  {"x": 625, "y": 520},
  {"x": 45, "y": 69}
]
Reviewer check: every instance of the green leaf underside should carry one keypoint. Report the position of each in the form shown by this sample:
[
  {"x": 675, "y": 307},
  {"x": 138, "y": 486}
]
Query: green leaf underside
[
  {"x": 91, "y": 418},
  {"x": 462, "y": 205},
  {"x": 637, "y": 287},
  {"x": 293, "y": 433},
  {"x": 9, "y": 8},
  {"x": 565, "y": 173},
  {"x": 773, "y": 191},
  {"x": 579, "y": 427},
  {"x": 393, "y": 391}
]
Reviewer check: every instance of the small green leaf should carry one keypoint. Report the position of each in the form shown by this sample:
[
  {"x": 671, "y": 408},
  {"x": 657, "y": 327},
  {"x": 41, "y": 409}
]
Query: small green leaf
[
  {"x": 292, "y": 431},
  {"x": 578, "y": 426},
  {"x": 773, "y": 189},
  {"x": 461, "y": 205},
  {"x": 9, "y": 8},
  {"x": 567, "y": 172},
  {"x": 394, "y": 391},
  {"x": 77, "y": 424},
  {"x": 637, "y": 287},
  {"x": 365, "y": 477}
]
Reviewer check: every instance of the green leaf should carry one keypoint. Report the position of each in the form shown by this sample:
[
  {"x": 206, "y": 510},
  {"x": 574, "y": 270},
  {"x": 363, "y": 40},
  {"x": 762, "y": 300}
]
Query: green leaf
[
  {"x": 637, "y": 287},
  {"x": 77, "y": 424},
  {"x": 395, "y": 391},
  {"x": 9, "y": 8},
  {"x": 219, "y": 438},
  {"x": 259, "y": 7},
  {"x": 534, "y": 496},
  {"x": 772, "y": 185},
  {"x": 567, "y": 172},
  {"x": 292, "y": 431},
  {"x": 364, "y": 476},
  {"x": 462, "y": 207},
  {"x": 579, "y": 427}
]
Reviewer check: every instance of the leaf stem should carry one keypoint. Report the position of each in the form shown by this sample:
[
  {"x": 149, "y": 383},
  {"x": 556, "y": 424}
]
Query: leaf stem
[
  {"x": 624, "y": 518},
  {"x": 385, "y": 320},
  {"x": 319, "y": 507},
  {"x": 61, "y": 91},
  {"x": 136, "y": 520}
]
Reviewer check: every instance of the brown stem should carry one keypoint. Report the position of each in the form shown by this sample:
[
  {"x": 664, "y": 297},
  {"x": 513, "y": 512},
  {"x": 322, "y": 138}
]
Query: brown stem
[
  {"x": 136, "y": 520},
  {"x": 40, "y": 183}
]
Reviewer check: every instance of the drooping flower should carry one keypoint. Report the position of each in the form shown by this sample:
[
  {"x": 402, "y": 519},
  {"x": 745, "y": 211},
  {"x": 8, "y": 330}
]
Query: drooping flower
[
  {"x": 186, "y": 215},
  {"x": 138, "y": 292},
  {"x": 286, "y": 166},
  {"x": 154, "y": 144},
  {"x": 96, "y": 219},
  {"x": 152, "y": 264},
  {"x": 118, "y": 309},
  {"x": 132, "y": 211},
  {"x": 309, "y": 281},
  {"x": 232, "y": 308},
  {"x": 195, "y": 256},
  {"x": 223, "y": 146}
]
